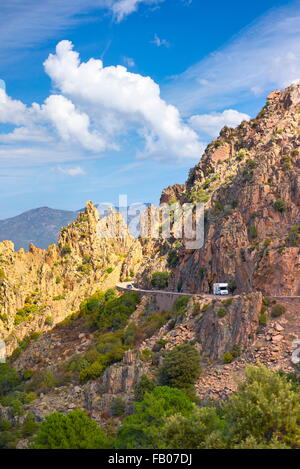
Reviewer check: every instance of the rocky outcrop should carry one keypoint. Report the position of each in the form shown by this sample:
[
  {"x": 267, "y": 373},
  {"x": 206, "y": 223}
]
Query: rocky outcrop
[
  {"x": 40, "y": 288},
  {"x": 221, "y": 327},
  {"x": 173, "y": 194}
]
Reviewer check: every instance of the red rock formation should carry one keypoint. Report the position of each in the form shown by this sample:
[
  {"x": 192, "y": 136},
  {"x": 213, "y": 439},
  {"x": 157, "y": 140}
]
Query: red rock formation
[{"x": 251, "y": 175}]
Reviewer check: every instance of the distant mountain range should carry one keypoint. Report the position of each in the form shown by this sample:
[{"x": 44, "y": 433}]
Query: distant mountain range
[{"x": 39, "y": 226}]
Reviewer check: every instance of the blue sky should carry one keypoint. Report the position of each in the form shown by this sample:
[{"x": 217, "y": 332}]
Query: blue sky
[{"x": 109, "y": 97}]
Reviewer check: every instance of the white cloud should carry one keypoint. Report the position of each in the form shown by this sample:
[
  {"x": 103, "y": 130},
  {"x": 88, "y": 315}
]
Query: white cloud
[
  {"x": 71, "y": 124},
  {"x": 25, "y": 134},
  {"x": 95, "y": 107},
  {"x": 264, "y": 56},
  {"x": 160, "y": 42},
  {"x": 11, "y": 111},
  {"x": 211, "y": 124},
  {"x": 122, "y": 8},
  {"x": 73, "y": 172},
  {"x": 122, "y": 96}
]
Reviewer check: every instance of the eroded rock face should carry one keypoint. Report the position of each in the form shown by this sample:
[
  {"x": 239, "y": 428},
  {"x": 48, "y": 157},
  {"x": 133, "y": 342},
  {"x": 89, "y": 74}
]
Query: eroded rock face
[
  {"x": 50, "y": 284},
  {"x": 172, "y": 194},
  {"x": 238, "y": 326},
  {"x": 251, "y": 176}
]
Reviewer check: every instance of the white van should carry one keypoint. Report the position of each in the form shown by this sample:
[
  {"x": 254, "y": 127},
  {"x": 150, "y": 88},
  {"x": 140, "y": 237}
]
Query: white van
[{"x": 220, "y": 289}]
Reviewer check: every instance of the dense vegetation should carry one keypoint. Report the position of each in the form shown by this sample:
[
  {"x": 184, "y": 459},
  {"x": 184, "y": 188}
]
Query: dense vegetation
[
  {"x": 263, "y": 413},
  {"x": 107, "y": 314}
]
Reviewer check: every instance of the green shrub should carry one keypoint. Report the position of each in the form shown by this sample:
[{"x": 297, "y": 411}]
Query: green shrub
[
  {"x": 159, "y": 345},
  {"x": 181, "y": 367},
  {"x": 279, "y": 205},
  {"x": 236, "y": 350},
  {"x": 109, "y": 270},
  {"x": 118, "y": 407},
  {"x": 241, "y": 155},
  {"x": 58, "y": 297},
  {"x": 265, "y": 408},
  {"x": 92, "y": 371},
  {"x": 42, "y": 381},
  {"x": 74, "y": 430},
  {"x": 266, "y": 301},
  {"x": 85, "y": 268},
  {"x": 24, "y": 344},
  {"x": 251, "y": 163},
  {"x": 143, "y": 429},
  {"x": 253, "y": 231},
  {"x": 181, "y": 305},
  {"x": 263, "y": 319},
  {"x": 9, "y": 378},
  {"x": 199, "y": 196},
  {"x": 144, "y": 384},
  {"x": 277, "y": 310},
  {"x": 26, "y": 314},
  {"x": 227, "y": 302},
  {"x": 172, "y": 258},
  {"x": 66, "y": 249},
  {"x": 293, "y": 239},
  {"x": 160, "y": 279},
  {"x": 130, "y": 334},
  {"x": 151, "y": 323},
  {"x": 263, "y": 309},
  {"x": 27, "y": 374},
  {"x": 109, "y": 349},
  {"x": 106, "y": 311},
  {"x": 222, "y": 312},
  {"x": 228, "y": 357},
  {"x": 231, "y": 286},
  {"x": 5, "y": 425},
  {"x": 48, "y": 321},
  {"x": 30, "y": 426},
  {"x": 146, "y": 355},
  {"x": 30, "y": 397}
]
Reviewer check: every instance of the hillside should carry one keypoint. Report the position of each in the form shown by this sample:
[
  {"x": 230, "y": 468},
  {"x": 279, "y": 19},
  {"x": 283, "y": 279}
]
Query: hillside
[{"x": 40, "y": 226}]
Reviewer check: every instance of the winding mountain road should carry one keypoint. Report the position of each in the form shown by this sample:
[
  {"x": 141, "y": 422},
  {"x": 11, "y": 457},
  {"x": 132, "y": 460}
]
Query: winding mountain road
[{"x": 125, "y": 287}]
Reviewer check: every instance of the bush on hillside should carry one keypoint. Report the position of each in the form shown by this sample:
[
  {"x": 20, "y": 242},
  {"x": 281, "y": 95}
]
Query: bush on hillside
[
  {"x": 160, "y": 279},
  {"x": 181, "y": 367},
  {"x": 74, "y": 430}
]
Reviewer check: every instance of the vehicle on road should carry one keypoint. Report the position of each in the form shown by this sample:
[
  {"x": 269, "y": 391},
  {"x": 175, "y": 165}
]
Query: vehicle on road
[
  {"x": 129, "y": 286},
  {"x": 220, "y": 289}
]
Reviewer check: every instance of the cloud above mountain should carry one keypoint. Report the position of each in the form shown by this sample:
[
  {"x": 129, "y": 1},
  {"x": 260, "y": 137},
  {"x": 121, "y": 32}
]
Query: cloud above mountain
[
  {"x": 95, "y": 106},
  {"x": 211, "y": 124}
]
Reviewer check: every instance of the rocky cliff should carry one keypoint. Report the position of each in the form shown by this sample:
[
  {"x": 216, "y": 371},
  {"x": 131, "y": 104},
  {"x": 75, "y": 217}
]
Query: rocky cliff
[
  {"x": 40, "y": 288},
  {"x": 249, "y": 180}
]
